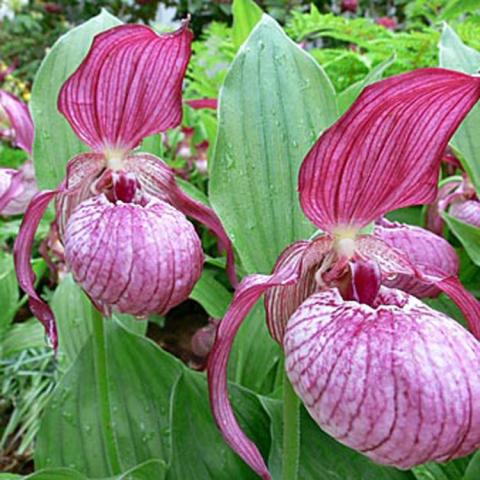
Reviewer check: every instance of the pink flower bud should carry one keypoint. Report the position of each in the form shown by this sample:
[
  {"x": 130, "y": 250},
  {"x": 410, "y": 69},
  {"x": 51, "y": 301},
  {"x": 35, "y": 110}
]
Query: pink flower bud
[
  {"x": 349, "y": 6},
  {"x": 397, "y": 381},
  {"x": 134, "y": 258},
  {"x": 387, "y": 22}
]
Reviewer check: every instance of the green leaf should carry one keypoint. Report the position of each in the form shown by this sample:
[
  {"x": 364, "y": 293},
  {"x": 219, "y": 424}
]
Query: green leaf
[
  {"x": 55, "y": 142},
  {"x": 246, "y": 14},
  {"x": 469, "y": 236},
  {"x": 322, "y": 457},
  {"x": 262, "y": 140},
  {"x": 146, "y": 471},
  {"x": 211, "y": 295},
  {"x": 473, "y": 468},
  {"x": 22, "y": 336},
  {"x": 448, "y": 471},
  {"x": 107, "y": 416},
  {"x": 455, "y": 8},
  {"x": 454, "y": 54},
  {"x": 349, "y": 95},
  {"x": 9, "y": 292},
  {"x": 255, "y": 355},
  {"x": 72, "y": 310}
]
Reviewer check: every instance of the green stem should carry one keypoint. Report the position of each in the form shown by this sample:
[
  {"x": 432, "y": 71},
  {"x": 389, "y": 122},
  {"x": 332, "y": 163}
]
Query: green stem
[
  {"x": 291, "y": 432},
  {"x": 100, "y": 365}
]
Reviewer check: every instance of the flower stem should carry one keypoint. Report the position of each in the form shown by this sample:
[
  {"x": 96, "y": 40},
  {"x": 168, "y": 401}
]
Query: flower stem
[
  {"x": 291, "y": 432},
  {"x": 100, "y": 365}
]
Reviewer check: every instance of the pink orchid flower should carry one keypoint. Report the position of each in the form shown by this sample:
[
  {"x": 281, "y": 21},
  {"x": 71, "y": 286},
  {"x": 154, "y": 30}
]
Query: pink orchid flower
[
  {"x": 376, "y": 368},
  {"x": 17, "y": 187},
  {"x": 457, "y": 196},
  {"x": 120, "y": 213}
]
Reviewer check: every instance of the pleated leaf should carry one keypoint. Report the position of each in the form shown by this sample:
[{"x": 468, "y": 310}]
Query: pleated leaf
[{"x": 273, "y": 104}]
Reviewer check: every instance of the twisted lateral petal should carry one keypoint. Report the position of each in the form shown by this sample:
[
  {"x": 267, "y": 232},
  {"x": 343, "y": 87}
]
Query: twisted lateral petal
[
  {"x": 398, "y": 382},
  {"x": 467, "y": 211},
  {"x": 465, "y": 301},
  {"x": 427, "y": 251},
  {"x": 246, "y": 295},
  {"x": 282, "y": 301},
  {"x": 128, "y": 87},
  {"x": 82, "y": 171},
  {"x": 20, "y": 119},
  {"x": 135, "y": 259},
  {"x": 385, "y": 152},
  {"x": 22, "y": 253},
  {"x": 159, "y": 181}
]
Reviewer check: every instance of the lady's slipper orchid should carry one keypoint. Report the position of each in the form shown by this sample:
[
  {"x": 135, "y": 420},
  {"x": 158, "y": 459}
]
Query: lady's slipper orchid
[
  {"x": 17, "y": 187},
  {"x": 120, "y": 214},
  {"x": 357, "y": 352}
]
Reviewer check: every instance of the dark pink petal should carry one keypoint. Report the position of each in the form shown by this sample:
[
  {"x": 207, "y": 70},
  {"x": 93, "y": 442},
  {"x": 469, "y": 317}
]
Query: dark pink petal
[
  {"x": 10, "y": 186},
  {"x": 20, "y": 119},
  {"x": 22, "y": 253},
  {"x": 128, "y": 87},
  {"x": 365, "y": 282},
  {"x": 398, "y": 382},
  {"x": 465, "y": 301},
  {"x": 391, "y": 262},
  {"x": 282, "y": 301},
  {"x": 394, "y": 263},
  {"x": 467, "y": 211},
  {"x": 132, "y": 258},
  {"x": 200, "y": 103},
  {"x": 385, "y": 152},
  {"x": 158, "y": 180},
  {"x": 246, "y": 295},
  {"x": 427, "y": 251},
  {"x": 82, "y": 172}
]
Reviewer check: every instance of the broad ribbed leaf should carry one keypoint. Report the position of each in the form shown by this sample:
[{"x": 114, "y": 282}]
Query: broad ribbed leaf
[
  {"x": 55, "y": 142},
  {"x": 385, "y": 152},
  {"x": 321, "y": 457},
  {"x": 145, "y": 405},
  {"x": 73, "y": 312},
  {"x": 456, "y": 55},
  {"x": 273, "y": 104},
  {"x": 145, "y": 471},
  {"x": 211, "y": 295},
  {"x": 8, "y": 292},
  {"x": 111, "y": 101}
]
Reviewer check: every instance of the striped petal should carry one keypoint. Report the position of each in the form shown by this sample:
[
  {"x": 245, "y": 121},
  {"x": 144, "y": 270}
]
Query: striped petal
[
  {"x": 429, "y": 252},
  {"x": 22, "y": 253},
  {"x": 385, "y": 152},
  {"x": 282, "y": 301},
  {"x": 397, "y": 381},
  {"x": 246, "y": 295},
  {"x": 20, "y": 120},
  {"x": 128, "y": 87}
]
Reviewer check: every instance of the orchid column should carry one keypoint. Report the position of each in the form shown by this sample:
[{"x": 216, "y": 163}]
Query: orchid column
[
  {"x": 371, "y": 362},
  {"x": 120, "y": 214}
]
